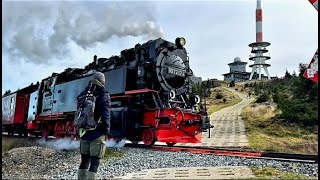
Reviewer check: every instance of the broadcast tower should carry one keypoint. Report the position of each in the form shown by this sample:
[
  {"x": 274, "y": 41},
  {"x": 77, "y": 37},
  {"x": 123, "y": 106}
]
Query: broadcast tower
[{"x": 259, "y": 48}]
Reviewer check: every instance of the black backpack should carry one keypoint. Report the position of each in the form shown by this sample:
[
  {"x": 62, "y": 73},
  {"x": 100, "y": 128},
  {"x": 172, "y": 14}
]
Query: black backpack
[{"x": 84, "y": 117}]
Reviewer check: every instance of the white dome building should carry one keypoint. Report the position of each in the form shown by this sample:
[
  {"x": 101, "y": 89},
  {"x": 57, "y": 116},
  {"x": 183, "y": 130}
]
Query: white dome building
[
  {"x": 237, "y": 71},
  {"x": 237, "y": 59}
]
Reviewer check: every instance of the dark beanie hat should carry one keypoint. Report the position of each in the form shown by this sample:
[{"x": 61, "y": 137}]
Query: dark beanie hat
[{"x": 99, "y": 77}]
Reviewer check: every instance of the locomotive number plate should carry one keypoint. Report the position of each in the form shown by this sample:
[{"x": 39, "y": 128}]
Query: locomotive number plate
[{"x": 177, "y": 72}]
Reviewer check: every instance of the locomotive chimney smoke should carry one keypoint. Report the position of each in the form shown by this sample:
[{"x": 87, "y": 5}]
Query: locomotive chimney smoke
[
  {"x": 54, "y": 28},
  {"x": 60, "y": 144}
]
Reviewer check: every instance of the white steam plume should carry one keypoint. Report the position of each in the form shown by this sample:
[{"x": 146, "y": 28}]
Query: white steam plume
[
  {"x": 114, "y": 143},
  {"x": 68, "y": 144},
  {"x": 41, "y": 31},
  {"x": 60, "y": 144}
]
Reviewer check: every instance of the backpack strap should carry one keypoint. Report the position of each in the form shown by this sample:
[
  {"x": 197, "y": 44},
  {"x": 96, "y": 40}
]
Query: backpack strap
[
  {"x": 90, "y": 87},
  {"x": 83, "y": 131}
]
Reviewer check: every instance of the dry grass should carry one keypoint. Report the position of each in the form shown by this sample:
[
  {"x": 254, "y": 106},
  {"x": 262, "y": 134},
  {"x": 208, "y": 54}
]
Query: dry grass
[
  {"x": 265, "y": 132},
  {"x": 241, "y": 87},
  {"x": 112, "y": 153},
  {"x": 260, "y": 111},
  {"x": 10, "y": 143},
  {"x": 215, "y": 104},
  {"x": 272, "y": 173}
]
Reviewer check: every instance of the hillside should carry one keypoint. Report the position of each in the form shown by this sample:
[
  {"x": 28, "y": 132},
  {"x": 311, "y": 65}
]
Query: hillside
[
  {"x": 284, "y": 117},
  {"x": 215, "y": 101},
  {"x": 266, "y": 131}
]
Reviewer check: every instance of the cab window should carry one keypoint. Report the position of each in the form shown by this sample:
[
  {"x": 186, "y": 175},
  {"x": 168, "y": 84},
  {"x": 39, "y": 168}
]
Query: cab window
[{"x": 12, "y": 103}]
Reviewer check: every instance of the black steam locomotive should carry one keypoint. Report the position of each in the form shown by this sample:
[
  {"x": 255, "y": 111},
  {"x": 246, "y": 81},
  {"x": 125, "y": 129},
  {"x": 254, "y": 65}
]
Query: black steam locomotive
[{"x": 150, "y": 87}]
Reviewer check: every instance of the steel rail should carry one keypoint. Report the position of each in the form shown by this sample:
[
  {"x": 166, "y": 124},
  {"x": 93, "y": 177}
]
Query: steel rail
[{"x": 303, "y": 158}]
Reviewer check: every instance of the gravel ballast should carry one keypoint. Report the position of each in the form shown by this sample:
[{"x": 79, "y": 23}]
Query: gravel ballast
[{"x": 40, "y": 162}]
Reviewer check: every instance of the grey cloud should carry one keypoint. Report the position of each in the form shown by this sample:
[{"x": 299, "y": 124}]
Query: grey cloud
[{"x": 29, "y": 45}]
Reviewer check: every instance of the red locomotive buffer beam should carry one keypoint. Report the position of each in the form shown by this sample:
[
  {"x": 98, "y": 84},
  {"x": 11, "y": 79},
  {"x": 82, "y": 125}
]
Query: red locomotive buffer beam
[
  {"x": 312, "y": 70},
  {"x": 178, "y": 126}
]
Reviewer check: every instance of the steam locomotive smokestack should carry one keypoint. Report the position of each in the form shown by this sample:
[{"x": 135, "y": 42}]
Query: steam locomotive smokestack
[
  {"x": 259, "y": 36},
  {"x": 95, "y": 59}
]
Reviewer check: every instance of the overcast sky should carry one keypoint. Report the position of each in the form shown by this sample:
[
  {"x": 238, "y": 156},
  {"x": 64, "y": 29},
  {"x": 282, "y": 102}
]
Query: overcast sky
[{"x": 41, "y": 37}]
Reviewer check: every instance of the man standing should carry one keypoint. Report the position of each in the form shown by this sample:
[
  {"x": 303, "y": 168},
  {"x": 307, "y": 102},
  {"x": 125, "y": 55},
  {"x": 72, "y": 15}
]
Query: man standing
[{"x": 92, "y": 147}]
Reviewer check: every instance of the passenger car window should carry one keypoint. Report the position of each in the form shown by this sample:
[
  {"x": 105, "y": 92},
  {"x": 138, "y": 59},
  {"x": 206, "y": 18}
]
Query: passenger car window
[{"x": 12, "y": 103}]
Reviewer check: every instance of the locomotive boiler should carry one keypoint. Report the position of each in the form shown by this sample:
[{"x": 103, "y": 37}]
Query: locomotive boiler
[{"x": 150, "y": 89}]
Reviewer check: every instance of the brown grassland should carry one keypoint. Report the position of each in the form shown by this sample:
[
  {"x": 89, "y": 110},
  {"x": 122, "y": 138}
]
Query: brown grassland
[
  {"x": 215, "y": 104},
  {"x": 272, "y": 173},
  {"x": 266, "y": 132}
]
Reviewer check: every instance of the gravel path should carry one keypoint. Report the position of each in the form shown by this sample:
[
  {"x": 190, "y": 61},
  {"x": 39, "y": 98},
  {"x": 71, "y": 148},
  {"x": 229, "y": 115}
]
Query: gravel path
[
  {"x": 229, "y": 129},
  {"x": 39, "y": 162}
]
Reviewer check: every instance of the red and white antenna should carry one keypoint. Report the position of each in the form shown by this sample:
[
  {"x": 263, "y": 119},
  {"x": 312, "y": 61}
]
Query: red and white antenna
[
  {"x": 258, "y": 49},
  {"x": 259, "y": 35}
]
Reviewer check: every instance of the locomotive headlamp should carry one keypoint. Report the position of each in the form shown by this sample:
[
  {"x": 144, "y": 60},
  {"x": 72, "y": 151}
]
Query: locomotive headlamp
[
  {"x": 172, "y": 94},
  {"x": 180, "y": 41}
]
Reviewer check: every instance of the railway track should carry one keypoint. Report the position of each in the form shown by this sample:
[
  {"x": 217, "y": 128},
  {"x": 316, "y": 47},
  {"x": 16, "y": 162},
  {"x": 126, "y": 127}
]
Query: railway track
[{"x": 303, "y": 158}]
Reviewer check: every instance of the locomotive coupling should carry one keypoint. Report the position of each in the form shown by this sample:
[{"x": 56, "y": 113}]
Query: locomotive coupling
[{"x": 206, "y": 123}]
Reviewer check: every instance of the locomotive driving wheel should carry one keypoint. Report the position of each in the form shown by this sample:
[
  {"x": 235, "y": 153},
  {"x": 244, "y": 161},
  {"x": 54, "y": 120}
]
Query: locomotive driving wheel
[
  {"x": 45, "y": 133},
  {"x": 148, "y": 137},
  {"x": 71, "y": 131},
  {"x": 59, "y": 128}
]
